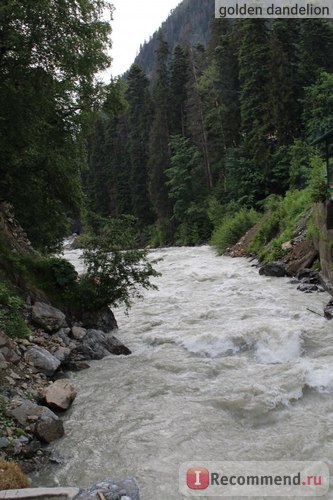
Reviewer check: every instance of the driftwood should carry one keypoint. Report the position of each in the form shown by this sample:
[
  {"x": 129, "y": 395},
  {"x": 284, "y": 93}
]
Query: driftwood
[
  {"x": 315, "y": 312},
  {"x": 101, "y": 496}
]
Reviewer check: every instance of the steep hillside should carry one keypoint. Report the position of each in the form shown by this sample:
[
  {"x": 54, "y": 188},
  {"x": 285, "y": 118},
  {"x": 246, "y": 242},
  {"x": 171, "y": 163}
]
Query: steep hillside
[{"x": 189, "y": 21}]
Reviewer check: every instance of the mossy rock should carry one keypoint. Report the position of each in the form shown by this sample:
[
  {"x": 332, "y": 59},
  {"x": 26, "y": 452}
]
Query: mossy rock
[{"x": 12, "y": 477}]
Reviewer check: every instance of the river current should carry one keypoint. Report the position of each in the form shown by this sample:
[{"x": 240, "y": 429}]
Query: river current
[{"x": 226, "y": 365}]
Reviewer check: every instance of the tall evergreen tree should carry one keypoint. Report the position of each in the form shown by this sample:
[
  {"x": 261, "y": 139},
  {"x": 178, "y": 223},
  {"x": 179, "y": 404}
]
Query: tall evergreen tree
[
  {"x": 285, "y": 90},
  {"x": 316, "y": 49},
  {"x": 225, "y": 54},
  {"x": 159, "y": 149},
  {"x": 178, "y": 91},
  {"x": 195, "y": 111},
  {"x": 139, "y": 122},
  {"x": 254, "y": 81}
]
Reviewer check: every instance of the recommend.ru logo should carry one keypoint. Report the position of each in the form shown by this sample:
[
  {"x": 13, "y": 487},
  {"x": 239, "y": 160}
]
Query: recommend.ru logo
[{"x": 253, "y": 479}]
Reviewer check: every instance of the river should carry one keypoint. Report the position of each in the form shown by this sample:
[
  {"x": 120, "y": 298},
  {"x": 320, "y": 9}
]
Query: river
[{"x": 226, "y": 365}]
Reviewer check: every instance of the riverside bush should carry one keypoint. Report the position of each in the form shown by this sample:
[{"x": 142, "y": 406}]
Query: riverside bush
[
  {"x": 115, "y": 271},
  {"x": 11, "y": 320},
  {"x": 232, "y": 228}
]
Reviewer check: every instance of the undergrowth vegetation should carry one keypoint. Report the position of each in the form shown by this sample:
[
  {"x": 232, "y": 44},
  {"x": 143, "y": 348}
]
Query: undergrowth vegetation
[
  {"x": 12, "y": 477},
  {"x": 232, "y": 228},
  {"x": 11, "y": 320},
  {"x": 277, "y": 215},
  {"x": 116, "y": 272},
  {"x": 278, "y": 223}
]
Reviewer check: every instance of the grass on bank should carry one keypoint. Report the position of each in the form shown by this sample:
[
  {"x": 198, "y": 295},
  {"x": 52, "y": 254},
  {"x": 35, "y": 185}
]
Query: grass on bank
[
  {"x": 12, "y": 477},
  {"x": 232, "y": 228}
]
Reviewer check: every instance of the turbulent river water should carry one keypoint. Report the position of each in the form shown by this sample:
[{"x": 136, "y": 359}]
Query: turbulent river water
[{"x": 226, "y": 365}]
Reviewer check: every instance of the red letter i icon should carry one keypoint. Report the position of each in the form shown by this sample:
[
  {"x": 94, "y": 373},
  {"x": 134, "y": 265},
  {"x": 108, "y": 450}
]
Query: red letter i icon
[{"x": 197, "y": 478}]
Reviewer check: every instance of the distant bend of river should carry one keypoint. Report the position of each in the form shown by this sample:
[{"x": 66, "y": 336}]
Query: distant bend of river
[{"x": 226, "y": 365}]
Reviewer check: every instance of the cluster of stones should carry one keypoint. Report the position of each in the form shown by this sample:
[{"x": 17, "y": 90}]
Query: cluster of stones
[{"x": 36, "y": 387}]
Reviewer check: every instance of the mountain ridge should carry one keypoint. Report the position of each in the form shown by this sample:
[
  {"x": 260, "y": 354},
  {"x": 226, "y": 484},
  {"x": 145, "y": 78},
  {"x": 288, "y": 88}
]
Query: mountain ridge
[{"x": 188, "y": 22}]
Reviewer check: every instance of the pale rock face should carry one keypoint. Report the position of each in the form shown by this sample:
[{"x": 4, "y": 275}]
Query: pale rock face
[
  {"x": 42, "y": 359},
  {"x": 60, "y": 394},
  {"x": 78, "y": 333}
]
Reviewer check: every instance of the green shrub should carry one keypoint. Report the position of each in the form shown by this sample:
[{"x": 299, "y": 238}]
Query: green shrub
[
  {"x": 232, "y": 228},
  {"x": 317, "y": 180},
  {"x": 312, "y": 231},
  {"x": 115, "y": 272},
  {"x": 11, "y": 320},
  {"x": 54, "y": 276}
]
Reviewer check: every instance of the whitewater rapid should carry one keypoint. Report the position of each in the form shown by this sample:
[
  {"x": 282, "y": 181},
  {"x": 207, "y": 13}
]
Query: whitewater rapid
[{"x": 226, "y": 365}]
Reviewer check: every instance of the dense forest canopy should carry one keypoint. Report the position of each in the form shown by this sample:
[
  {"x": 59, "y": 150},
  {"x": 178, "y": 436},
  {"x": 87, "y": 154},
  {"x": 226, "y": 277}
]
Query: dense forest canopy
[
  {"x": 219, "y": 128},
  {"x": 212, "y": 118},
  {"x": 49, "y": 54}
]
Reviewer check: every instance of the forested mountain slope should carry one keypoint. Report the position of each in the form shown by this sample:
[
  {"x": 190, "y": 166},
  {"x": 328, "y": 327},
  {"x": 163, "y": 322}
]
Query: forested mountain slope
[
  {"x": 216, "y": 129},
  {"x": 189, "y": 21}
]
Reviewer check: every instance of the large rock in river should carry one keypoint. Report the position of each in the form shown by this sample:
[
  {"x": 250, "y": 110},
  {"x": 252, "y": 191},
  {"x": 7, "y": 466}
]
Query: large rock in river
[
  {"x": 42, "y": 359},
  {"x": 48, "y": 317},
  {"x": 97, "y": 345},
  {"x": 102, "y": 319},
  {"x": 277, "y": 269},
  {"x": 59, "y": 395}
]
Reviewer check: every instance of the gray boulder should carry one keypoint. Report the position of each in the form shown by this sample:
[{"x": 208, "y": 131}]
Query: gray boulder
[
  {"x": 42, "y": 359},
  {"x": 97, "y": 345},
  {"x": 103, "y": 319},
  {"x": 46, "y": 425},
  {"x": 112, "y": 490},
  {"x": 78, "y": 333},
  {"x": 277, "y": 269},
  {"x": 59, "y": 395},
  {"x": 48, "y": 429},
  {"x": 48, "y": 317},
  {"x": 7, "y": 349},
  {"x": 63, "y": 354},
  {"x": 308, "y": 276}
]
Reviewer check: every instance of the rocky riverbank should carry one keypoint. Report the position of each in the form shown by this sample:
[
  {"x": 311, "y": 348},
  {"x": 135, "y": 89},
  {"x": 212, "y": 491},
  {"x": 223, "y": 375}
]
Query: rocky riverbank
[{"x": 35, "y": 378}]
